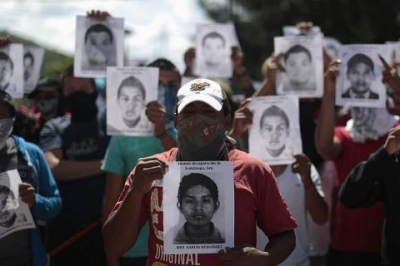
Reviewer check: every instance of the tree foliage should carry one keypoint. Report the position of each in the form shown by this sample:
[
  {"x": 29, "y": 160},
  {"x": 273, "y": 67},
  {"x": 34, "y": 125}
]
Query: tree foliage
[{"x": 258, "y": 21}]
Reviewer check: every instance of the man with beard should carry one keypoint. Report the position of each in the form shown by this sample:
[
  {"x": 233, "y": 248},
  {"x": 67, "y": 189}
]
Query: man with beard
[
  {"x": 74, "y": 147},
  {"x": 360, "y": 73},
  {"x": 202, "y": 117}
]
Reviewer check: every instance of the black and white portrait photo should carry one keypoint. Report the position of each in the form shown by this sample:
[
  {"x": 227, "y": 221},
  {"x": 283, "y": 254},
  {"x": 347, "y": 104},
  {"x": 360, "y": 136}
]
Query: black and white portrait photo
[
  {"x": 213, "y": 51},
  {"x": 98, "y": 45},
  {"x": 332, "y": 47},
  {"x": 11, "y": 70},
  {"x": 360, "y": 74},
  {"x": 14, "y": 214},
  {"x": 33, "y": 60},
  {"x": 302, "y": 63},
  {"x": 129, "y": 89},
  {"x": 275, "y": 133},
  {"x": 197, "y": 207}
]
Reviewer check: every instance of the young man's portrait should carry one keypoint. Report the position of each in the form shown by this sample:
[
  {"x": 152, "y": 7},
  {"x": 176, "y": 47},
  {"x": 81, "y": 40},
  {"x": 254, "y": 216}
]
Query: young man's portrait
[
  {"x": 198, "y": 202},
  {"x": 6, "y": 71},
  {"x": 99, "y": 48},
  {"x": 360, "y": 74},
  {"x": 275, "y": 130},
  {"x": 8, "y": 207},
  {"x": 299, "y": 69},
  {"x": 29, "y": 65}
]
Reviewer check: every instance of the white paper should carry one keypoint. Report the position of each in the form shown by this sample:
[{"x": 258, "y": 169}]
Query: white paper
[
  {"x": 33, "y": 60},
  {"x": 275, "y": 136},
  {"x": 213, "y": 52},
  {"x": 11, "y": 70},
  {"x": 14, "y": 213},
  {"x": 332, "y": 47},
  {"x": 221, "y": 174},
  {"x": 126, "y": 104},
  {"x": 303, "y": 63},
  {"x": 295, "y": 31},
  {"x": 98, "y": 44},
  {"x": 369, "y": 80}
]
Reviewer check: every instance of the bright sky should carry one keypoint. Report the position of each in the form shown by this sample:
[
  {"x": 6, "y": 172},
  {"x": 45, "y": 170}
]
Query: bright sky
[{"x": 160, "y": 27}]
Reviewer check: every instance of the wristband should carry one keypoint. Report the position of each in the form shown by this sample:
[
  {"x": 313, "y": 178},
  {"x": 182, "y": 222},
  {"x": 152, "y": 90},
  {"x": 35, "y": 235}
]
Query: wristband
[{"x": 162, "y": 135}]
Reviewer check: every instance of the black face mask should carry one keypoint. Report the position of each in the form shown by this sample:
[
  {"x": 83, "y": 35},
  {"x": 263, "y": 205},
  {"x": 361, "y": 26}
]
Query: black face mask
[{"x": 82, "y": 106}]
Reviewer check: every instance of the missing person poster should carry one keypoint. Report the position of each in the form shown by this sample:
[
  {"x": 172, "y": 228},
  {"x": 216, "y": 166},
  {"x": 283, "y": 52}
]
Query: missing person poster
[{"x": 198, "y": 206}]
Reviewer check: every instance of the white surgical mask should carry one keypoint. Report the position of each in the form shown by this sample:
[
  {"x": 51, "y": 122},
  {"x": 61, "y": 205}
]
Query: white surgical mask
[{"x": 6, "y": 127}]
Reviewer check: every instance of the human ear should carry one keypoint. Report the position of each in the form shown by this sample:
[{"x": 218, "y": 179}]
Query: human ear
[{"x": 216, "y": 205}]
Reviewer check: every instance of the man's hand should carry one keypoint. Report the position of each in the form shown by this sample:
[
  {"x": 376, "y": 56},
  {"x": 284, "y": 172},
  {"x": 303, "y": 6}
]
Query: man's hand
[
  {"x": 157, "y": 114},
  {"x": 243, "y": 255},
  {"x": 27, "y": 194},
  {"x": 242, "y": 120},
  {"x": 392, "y": 143},
  {"x": 147, "y": 170},
  {"x": 390, "y": 75},
  {"x": 4, "y": 41},
  {"x": 330, "y": 76},
  {"x": 271, "y": 67},
  {"x": 302, "y": 166},
  {"x": 98, "y": 15}
]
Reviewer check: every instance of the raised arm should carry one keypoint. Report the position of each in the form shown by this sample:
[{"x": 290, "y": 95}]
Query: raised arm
[
  {"x": 122, "y": 227},
  {"x": 362, "y": 186},
  {"x": 327, "y": 145}
]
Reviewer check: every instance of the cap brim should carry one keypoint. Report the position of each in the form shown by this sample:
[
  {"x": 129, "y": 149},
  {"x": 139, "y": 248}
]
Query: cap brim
[{"x": 211, "y": 101}]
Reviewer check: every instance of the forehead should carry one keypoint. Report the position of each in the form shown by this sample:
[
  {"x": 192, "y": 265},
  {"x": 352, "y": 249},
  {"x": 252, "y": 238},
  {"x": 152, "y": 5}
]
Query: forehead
[
  {"x": 131, "y": 91},
  {"x": 99, "y": 36},
  {"x": 361, "y": 67},
  {"x": 297, "y": 56},
  {"x": 4, "y": 62},
  {"x": 213, "y": 41},
  {"x": 273, "y": 119},
  {"x": 195, "y": 190}
]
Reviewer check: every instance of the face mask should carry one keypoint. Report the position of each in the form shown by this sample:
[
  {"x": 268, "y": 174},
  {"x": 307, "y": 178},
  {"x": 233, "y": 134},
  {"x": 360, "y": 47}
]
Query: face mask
[
  {"x": 167, "y": 96},
  {"x": 82, "y": 106},
  {"x": 47, "y": 108},
  {"x": 201, "y": 138},
  {"x": 6, "y": 126},
  {"x": 100, "y": 84}
]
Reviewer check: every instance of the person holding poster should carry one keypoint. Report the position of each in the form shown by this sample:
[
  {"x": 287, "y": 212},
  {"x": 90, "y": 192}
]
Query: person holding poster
[
  {"x": 38, "y": 190},
  {"x": 357, "y": 235},
  {"x": 202, "y": 106}
]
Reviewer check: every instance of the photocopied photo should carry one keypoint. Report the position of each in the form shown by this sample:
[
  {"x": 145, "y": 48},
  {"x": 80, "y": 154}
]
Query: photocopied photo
[
  {"x": 213, "y": 51},
  {"x": 11, "y": 70},
  {"x": 360, "y": 76},
  {"x": 332, "y": 47},
  {"x": 129, "y": 89},
  {"x": 295, "y": 31},
  {"x": 98, "y": 45},
  {"x": 275, "y": 136},
  {"x": 33, "y": 60},
  {"x": 14, "y": 213},
  {"x": 303, "y": 63},
  {"x": 198, "y": 206}
]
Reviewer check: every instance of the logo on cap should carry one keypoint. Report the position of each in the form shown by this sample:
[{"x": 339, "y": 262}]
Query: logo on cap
[{"x": 199, "y": 86}]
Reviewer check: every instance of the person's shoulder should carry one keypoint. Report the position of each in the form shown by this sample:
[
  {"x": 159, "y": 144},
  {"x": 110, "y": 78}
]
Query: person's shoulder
[
  {"x": 168, "y": 156},
  {"x": 346, "y": 94},
  {"x": 245, "y": 160},
  {"x": 373, "y": 95}
]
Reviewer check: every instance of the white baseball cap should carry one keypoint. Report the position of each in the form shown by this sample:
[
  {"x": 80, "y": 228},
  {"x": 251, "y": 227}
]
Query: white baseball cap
[{"x": 203, "y": 90}]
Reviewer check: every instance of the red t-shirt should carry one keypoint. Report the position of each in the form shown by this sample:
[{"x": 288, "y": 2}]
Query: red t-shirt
[
  {"x": 257, "y": 201},
  {"x": 356, "y": 230}
]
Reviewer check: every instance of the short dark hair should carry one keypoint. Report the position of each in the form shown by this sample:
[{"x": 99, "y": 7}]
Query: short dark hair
[
  {"x": 298, "y": 49},
  {"x": 195, "y": 179},
  {"x": 359, "y": 59},
  {"x": 6, "y": 190},
  {"x": 274, "y": 111},
  {"x": 99, "y": 28},
  {"x": 29, "y": 55},
  {"x": 133, "y": 82},
  {"x": 8, "y": 100},
  {"x": 213, "y": 34},
  {"x": 6, "y": 57}
]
